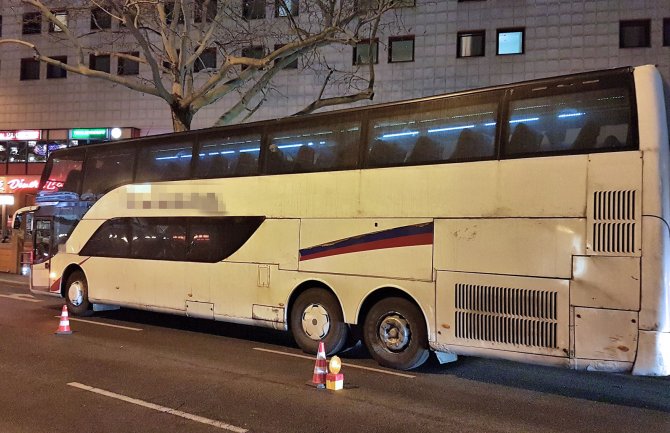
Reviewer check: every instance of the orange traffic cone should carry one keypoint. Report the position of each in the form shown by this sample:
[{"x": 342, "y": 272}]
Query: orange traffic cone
[
  {"x": 64, "y": 325},
  {"x": 319, "y": 377}
]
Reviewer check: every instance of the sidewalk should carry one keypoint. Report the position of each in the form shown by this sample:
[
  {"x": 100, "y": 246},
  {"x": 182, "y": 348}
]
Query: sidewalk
[{"x": 16, "y": 279}]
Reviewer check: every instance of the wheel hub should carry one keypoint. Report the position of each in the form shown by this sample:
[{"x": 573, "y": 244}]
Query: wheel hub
[
  {"x": 75, "y": 293},
  {"x": 394, "y": 332},
  {"x": 315, "y": 322}
]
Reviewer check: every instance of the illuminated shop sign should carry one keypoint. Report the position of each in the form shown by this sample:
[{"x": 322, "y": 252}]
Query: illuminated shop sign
[
  {"x": 89, "y": 133},
  {"x": 12, "y": 184},
  {"x": 24, "y": 134}
]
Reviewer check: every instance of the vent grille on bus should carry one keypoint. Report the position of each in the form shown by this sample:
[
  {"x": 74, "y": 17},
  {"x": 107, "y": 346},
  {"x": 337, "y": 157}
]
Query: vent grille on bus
[
  {"x": 507, "y": 315},
  {"x": 614, "y": 221}
]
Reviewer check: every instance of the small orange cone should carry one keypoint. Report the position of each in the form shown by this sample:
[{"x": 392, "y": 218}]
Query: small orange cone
[
  {"x": 64, "y": 325},
  {"x": 319, "y": 377}
]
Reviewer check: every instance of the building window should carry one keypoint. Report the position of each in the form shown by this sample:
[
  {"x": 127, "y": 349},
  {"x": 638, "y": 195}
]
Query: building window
[
  {"x": 666, "y": 32},
  {"x": 284, "y": 8},
  {"x": 255, "y": 52},
  {"x": 100, "y": 19},
  {"x": 366, "y": 52},
  {"x": 30, "y": 69},
  {"x": 127, "y": 66},
  {"x": 368, "y": 5},
  {"x": 0, "y": 25},
  {"x": 99, "y": 63},
  {"x": 635, "y": 34},
  {"x": 210, "y": 13},
  {"x": 292, "y": 65},
  {"x": 54, "y": 71},
  {"x": 206, "y": 60},
  {"x": 401, "y": 49},
  {"x": 253, "y": 9},
  {"x": 61, "y": 17},
  {"x": 32, "y": 23},
  {"x": 510, "y": 41},
  {"x": 470, "y": 44}
]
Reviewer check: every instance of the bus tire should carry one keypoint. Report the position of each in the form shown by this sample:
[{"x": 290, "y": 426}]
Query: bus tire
[
  {"x": 316, "y": 316},
  {"x": 395, "y": 334},
  {"x": 76, "y": 295}
]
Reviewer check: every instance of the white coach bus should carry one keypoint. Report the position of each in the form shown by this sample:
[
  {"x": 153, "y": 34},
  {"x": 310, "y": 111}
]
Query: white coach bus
[{"x": 527, "y": 222}]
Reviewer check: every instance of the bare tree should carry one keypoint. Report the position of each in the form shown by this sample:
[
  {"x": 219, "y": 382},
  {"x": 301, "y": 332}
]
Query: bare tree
[{"x": 180, "y": 41}]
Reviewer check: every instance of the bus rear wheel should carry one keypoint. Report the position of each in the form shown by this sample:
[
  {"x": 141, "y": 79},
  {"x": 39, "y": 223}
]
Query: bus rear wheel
[
  {"x": 316, "y": 316},
  {"x": 76, "y": 294},
  {"x": 395, "y": 334}
]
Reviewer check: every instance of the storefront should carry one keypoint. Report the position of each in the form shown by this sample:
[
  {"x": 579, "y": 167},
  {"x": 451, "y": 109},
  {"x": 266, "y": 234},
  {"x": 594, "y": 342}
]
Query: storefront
[
  {"x": 24, "y": 152},
  {"x": 15, "y": 192}
]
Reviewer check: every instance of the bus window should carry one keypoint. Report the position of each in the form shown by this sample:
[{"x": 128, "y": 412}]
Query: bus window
[
  {"x": 158, "y": 238},
  {"x": 228, "y": 156},
  {"x": 107, "y": 169},
  {"x": 63, "y": 174},
  {"x": 330, "y": 146},
  {"x": 110, "y": 240},
  {"x": 574, "y": 122},
  {"x": 43, "y": 238},
  {"x": 171, "y": 161},
  {"x": 458, "y": 129},
  {"x": 214, "y": 239}
]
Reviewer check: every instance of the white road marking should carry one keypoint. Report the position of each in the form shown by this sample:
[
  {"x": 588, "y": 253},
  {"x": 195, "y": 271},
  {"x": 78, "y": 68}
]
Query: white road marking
[
  {"x": 21, "y": 297},
  {"x": 376, "y": 370},
  {"x": 104, "y": 324},
  {"x": 175, "y": 412}
]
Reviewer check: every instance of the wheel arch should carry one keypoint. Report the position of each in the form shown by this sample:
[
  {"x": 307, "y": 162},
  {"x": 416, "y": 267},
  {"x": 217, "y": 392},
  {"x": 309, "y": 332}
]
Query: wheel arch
[
  {"x": 69, "y": 270},
  {"x": 386, "y": 292},
  {"x": 302, "y": 287}
]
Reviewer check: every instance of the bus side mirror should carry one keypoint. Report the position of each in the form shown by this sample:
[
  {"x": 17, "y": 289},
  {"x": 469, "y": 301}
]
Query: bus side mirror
[{"x": 17, "y": 222}]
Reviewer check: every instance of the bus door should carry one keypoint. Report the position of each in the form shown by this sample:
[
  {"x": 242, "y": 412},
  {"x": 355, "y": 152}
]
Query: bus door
[{"x": 43, "y": 246}]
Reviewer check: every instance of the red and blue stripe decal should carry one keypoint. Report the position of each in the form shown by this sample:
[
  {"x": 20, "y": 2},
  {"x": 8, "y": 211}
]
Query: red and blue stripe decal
[{"x": 407, "y": 236}]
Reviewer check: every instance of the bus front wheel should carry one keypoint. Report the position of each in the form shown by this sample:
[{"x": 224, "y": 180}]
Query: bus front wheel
[
  {"x": 395, "y": 334},
  {"x": 316, "y": 316},
  {"x": 76, "y": 295}
]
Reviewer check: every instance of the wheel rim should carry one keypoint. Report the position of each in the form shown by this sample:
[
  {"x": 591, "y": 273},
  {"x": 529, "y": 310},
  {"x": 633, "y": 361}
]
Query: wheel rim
[
  {"x": 76, "y": 293},
  {"x": 315, "y": 321},
  {"x": 394, "y": 332}
]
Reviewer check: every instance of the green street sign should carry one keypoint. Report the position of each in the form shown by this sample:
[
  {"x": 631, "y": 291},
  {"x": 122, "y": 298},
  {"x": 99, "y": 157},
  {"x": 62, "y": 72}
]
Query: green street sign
[{"x": 87, "y": 134}]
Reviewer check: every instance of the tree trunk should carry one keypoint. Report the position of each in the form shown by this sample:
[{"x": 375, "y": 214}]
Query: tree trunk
[{"x": 181, "y": 118}]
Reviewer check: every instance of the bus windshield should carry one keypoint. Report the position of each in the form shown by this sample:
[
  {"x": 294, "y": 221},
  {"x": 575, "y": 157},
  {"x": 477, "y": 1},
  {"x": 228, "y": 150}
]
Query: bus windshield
[{"x": 63, "y": 173}]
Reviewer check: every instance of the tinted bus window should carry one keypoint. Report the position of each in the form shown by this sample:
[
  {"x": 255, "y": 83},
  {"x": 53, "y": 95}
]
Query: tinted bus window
[
  {"x": 110, "y": 240},
  {"x": 228, "y": 156},
  {"x": 63, "y": 174},
  {"x": 158, "y": 238},
  {"x": 451, "y": 129},
  {"x": 209, "y": 239},
  {"x": 107, "y": 169},
  {"x": 214, "y": 239},
  {"x": 164, "y": 162},
  {"x": 574, "y": 122},
  {"x": 328, "y": 147}
]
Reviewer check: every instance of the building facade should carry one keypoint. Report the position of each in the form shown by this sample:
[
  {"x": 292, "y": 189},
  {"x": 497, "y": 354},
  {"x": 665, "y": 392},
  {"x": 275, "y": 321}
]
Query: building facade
[{"x": 441, "y": 46}]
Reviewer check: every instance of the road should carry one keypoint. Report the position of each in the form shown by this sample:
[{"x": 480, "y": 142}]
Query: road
[{"x": 156, "y": 373}]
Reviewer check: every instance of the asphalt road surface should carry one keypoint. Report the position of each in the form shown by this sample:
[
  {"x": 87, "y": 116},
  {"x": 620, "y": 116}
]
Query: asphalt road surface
[{"x": 133, "y": 371}]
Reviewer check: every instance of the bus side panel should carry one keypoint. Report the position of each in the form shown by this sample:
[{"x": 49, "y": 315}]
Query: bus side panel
[
  {"x": 394, "y": 248},
  {"x": 503, "y": 313},
  {"x": 141, "y": 283},
  {"x": 276, "y": 241},
  {"x": 512, "y": 246}
]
